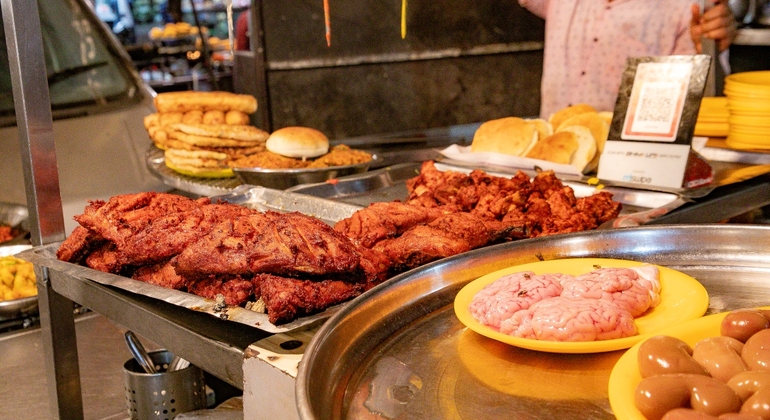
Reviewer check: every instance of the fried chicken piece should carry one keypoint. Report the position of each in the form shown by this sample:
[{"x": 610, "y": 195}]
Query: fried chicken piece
[
  {"x": 77, "y": 245},
  {"x": 160, "y": 274},
  {"x": 105, "y": 258},
  {"x": 384, "y": 220},
  {"x": 169, "y": 235},
  {"x": 123, "y": 215},
  {"x": 236, "y": 290},
  {"x": 600, "y": 206},
  {"x": 440, "y": 185},
  {"x": 289, "y": 244},
  {"x": 286, "y": 299}
]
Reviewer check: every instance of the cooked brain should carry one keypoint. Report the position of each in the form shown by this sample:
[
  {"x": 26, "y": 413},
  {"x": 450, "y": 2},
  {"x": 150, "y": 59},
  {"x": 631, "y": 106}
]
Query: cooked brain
[
  {"x": 565, "y": 319},
  {"x": 505, "y": 296}
]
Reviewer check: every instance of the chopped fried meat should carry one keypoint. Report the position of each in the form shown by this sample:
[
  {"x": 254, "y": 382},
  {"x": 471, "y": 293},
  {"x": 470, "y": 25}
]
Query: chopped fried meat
[
  {"x": 384, "y": 220},
  {"x": 287, "y": 244},
  {"x": 286, "y": 299},
  {"x": 421, "y": 245},
  {"x": 77, "y": 245},
  {"x": 161, "y": 274},
  {"x": 236, "y": 290}
]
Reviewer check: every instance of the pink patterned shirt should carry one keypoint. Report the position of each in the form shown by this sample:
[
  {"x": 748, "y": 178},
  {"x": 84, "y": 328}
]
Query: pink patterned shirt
[{"x": 587, "y": 43}]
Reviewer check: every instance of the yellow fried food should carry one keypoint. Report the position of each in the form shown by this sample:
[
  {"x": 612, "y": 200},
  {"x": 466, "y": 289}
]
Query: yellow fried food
[{"x": 17, "y": 278}]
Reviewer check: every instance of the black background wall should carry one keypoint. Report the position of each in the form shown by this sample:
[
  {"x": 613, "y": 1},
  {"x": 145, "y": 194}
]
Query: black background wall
[{"x": 462, "y": 61}]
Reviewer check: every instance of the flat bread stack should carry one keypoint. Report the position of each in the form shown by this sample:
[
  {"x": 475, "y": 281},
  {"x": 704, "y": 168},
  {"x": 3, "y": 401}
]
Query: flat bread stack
[
  {"x": 201, "y": 131},
  {"x": 572, "y": 136}
]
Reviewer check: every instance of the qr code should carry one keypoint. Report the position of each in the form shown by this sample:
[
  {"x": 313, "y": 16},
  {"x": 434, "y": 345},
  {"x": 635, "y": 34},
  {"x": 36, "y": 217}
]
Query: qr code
[{"x": 656, "y": 104}]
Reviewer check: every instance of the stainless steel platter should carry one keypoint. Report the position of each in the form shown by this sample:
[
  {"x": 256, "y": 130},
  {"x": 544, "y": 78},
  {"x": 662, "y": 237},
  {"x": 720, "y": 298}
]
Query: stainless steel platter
[
  {"x": 269, "y": 178},
  {"x": 254, "y": 197},
  {"x": 400, "y": 352},
  {"x": 16, "y": 308}
]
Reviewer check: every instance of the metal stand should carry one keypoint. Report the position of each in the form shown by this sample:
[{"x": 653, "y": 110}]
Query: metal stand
[{"x": 33, "y": 116}]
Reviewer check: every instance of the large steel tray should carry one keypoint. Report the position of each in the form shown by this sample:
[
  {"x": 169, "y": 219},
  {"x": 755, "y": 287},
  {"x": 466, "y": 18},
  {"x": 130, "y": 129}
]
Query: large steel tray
[
  {"x": 400, "y": 351},
  {"x": 249, "y": 196}
]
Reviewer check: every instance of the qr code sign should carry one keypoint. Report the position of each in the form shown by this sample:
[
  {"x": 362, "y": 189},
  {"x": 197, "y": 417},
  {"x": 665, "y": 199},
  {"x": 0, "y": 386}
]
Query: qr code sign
[{"x": 656, "y": 104}]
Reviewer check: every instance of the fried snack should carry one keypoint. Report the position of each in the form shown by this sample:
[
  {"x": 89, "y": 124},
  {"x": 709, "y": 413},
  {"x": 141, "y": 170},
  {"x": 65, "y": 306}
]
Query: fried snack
[
  {"x": 158, "y": 135},
  {"x": 213, "y": 117},
  {"x": 17, "y": 278},
  {"x": 207, "y": 141},
  {"x": 204, "y": 101},
  {"x": 341, "y": 155},
  {"x": 245, "y": 133},
  {"x": 192, "y": 117},
  {"x": 168, "y": 118},
  {"x": 236, "y": 118},
  {"x": 151, "y": 120},
  {"x": 198, "y": 163},
  {"x": 231, "y": 152}
]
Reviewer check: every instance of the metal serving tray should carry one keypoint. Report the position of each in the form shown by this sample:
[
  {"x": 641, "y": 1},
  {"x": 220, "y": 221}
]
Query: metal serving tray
[
  {"x": 389, "y": 184},
  {"x": 400, "y": 352},
  {"x": 254, "y": 197}
]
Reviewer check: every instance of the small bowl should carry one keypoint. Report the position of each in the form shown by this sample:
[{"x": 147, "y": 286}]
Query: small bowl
[
  {"x": 16, "y": 308},
  {"x": 281, "y": 179}
]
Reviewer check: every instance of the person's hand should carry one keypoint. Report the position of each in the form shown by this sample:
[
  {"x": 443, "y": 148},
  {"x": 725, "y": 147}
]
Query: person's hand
[{"x": 717, "y": 23}]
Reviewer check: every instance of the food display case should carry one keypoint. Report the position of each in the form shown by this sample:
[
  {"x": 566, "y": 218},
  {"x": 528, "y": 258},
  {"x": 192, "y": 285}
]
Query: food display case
[{"x": 404, "y": 320}]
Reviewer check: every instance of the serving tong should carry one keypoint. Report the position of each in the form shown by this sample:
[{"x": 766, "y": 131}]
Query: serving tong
[{"x": 143, "y": 358}]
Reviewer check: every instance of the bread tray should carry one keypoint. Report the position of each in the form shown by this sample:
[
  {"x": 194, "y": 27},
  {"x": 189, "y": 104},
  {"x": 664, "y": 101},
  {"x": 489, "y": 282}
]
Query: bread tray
[{"x": 250, "y": 196}]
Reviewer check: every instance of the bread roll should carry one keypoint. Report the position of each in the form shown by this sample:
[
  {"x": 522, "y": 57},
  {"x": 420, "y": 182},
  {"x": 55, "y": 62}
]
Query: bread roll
[
  {"x": 562, "y": 115},
  {"x": 543, "y": 128},
  {"x": 586, "y": 149},
  {"x": 298, "y": 142},
  {"x": 204, "y": 101},
  {"x": 592, "y": 121},
  {"x": 558, "y": 148},
  {"x": 509, "y": 135},
  {"x": 607, "y": 116}
]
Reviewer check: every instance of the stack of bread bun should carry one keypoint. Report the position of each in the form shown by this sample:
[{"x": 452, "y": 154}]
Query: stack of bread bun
[
  {"x": 201, "y": 132},
  {"x": 572, "y": 136}
]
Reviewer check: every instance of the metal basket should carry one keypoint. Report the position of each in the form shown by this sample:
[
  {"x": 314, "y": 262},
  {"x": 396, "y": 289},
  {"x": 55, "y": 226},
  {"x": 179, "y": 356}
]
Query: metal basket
[{"x": 162, "y": 395}]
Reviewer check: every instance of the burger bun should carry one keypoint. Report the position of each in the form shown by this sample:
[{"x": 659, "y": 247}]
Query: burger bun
[{"x": 298, "y": 142}]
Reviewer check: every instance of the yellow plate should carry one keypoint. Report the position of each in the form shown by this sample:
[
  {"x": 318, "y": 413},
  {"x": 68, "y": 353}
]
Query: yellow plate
[
  {"x": 682, "y": 298},
  {"x": 625, "y": 375},
  {"x": 750, "y": 79}
]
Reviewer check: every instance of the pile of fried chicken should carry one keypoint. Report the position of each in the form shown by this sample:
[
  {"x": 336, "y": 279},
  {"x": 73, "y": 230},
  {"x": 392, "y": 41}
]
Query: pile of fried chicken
[{"x": 295, "y": 265}]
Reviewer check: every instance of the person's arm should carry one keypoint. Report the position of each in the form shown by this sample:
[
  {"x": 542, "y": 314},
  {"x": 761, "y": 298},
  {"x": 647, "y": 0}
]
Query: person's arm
[
  {"x": 537, "y": 7},
  {"x": 717, "y": 23}
]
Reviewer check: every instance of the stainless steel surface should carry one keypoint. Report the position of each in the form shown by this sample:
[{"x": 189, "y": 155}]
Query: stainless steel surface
[
  {"x": 16, "y": 308},
  {"x": 282, "y": 179},
  {"x": 33, "y": 117},
  {"x": 17, "y": 217},
  {"x": 388, "y": 184},
  {"x": 102, "y": 354},
  {"x": 398, "y": 350},
  {"x": 140, "y": 354}
]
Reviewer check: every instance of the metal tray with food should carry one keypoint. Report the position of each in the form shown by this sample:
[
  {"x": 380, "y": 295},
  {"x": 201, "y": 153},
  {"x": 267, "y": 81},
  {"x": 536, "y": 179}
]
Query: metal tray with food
[
  {"x": 19, "y": 307},
  {"x": 269, "y": 178},
  {"x": 249, "y": 196},
  {"x": 14, "y": 224},
  {"x": 389, "y": 184},
  {"x": 409, "y": 356}
]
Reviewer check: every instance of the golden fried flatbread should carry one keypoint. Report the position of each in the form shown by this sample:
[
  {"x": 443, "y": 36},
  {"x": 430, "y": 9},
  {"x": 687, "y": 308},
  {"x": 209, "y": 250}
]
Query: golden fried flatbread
[
  {"x": 236, "y": 118},
  {"x": 205, "y": 101},
  {"x": 198, "y": 163},
  {"x": 558, "y": 148},
  {"x": 158, "y": 135},
  {"x": 223, "y": 131},
  {"x": 562, "y": 115},
  {"x": 206, "y": 141},
  {"x": 509, "y": 135},
  {"x": 231, "y": 152}
]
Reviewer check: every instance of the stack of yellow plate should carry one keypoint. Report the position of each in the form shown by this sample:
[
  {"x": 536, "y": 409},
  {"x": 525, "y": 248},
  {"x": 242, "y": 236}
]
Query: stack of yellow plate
[
  {"x": 712, "y": 117},
  {"x": 748, "y": 100}
]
